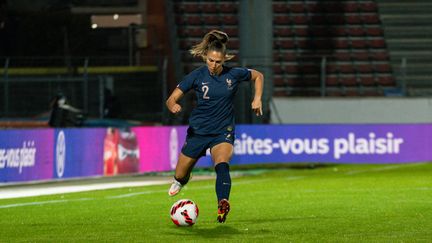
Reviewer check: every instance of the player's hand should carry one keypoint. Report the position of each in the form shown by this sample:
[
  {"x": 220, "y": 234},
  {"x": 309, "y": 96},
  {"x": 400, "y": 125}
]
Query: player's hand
[
  {"x": 257, "y": 107},
  {"x": 176, "y": 108}
]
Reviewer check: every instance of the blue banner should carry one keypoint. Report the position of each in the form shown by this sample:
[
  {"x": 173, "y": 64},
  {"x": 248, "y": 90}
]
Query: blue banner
[
  {"x": 357, "y": 143},
  {"x": 26, "y": 155},
  {"x": 78, "y": 152}
]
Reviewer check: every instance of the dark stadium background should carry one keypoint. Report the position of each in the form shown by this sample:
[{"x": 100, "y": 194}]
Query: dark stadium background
[{"x": 120, "y": 59}]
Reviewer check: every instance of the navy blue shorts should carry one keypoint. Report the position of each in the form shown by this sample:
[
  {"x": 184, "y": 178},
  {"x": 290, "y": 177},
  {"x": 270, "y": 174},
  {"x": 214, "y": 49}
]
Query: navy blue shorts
[{"x": 196, "y": 145}]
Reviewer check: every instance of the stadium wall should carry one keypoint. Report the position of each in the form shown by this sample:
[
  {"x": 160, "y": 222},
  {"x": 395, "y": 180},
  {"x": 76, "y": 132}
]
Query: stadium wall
[
  {"x": 53, "y": 154},
  {"x": 346, "y": 110}
]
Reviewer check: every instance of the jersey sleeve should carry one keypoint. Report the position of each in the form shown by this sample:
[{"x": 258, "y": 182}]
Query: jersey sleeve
[
  {"x": 243, "y": 74},
  {"x": 187, "y": 83}
]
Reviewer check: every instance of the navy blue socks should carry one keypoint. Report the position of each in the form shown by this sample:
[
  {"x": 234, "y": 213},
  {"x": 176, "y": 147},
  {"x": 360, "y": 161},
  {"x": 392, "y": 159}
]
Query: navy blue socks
[{"x": 223, "y": 181}]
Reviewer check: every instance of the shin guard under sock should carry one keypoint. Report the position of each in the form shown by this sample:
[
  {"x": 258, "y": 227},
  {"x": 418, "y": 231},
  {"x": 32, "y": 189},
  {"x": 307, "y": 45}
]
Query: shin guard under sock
[{"x": 223, "y": 181}]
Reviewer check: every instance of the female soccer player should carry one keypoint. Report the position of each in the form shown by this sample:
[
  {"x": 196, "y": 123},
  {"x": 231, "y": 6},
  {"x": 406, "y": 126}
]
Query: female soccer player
[{"x": 211, "y": 123}]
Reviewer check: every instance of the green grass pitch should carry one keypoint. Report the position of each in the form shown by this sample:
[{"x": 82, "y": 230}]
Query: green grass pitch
[{"x": 335, "y": 203}]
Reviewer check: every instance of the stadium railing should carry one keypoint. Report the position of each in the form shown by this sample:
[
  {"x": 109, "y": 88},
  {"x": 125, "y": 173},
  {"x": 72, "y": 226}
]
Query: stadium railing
[{"x": 28, "y": 85}]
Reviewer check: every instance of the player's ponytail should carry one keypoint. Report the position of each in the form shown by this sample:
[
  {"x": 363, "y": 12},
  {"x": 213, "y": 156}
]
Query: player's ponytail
[{"x": 214, "y": 40}]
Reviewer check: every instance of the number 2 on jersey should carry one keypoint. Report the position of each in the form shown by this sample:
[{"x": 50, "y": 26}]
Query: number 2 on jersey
[{"x": 205, "y": 89}]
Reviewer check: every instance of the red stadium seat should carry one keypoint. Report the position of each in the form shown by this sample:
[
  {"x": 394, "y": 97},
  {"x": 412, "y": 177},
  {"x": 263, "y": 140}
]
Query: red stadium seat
[
  {"x": 382, "y": 68},
  {"x": 190, "y": 32},
  {"x": 342, "y": 56},
  {"x": 189, "y": 20},
  {"x": 386, "y": 81},
  {"x": 353, "y": 19},
  {"x": 229, "y": 19},
  {"x": 297, "y": 7},
  {"x": 277, "y": 69},
  {"x": 363, "y": 68},
  {"x": 301, "y": 32},
  {"x": 372, "y": 93},
  {"x": 281, "y": 20},
  {"x": 299, "y": 19},
  {"x": 379, "y": 56},
  {"x": 367, "y": 81},
  {"x": 377, "y": 43},
  {"x": 279, "y": 7},
  {"x": 371, "y": 19},
  {"x": 374, "y": 31},
  {"x": 332, "y": 81},
  {"x": 278, "y": 80},
  {"x": 359, "y": 44},
  {"x": 283, "y": 44},
  {"x": 356, "y": 31},
  {"x": 233, "y": 44},
  {"x": 282, "y": 32},
  {"x": 341, "y": 44},
  {"x": 348, "y": 81},
  {"x": 187, "y": 8},
  {"x": 209, "y": 7},
  {"x": 348, "y": 33},
  {"x": 283, "y": 56},
  {"x": 346, "y": 68},
  {"x": 368, "y": 7},
  {"x": 228, "y": 7},
  {"x": 211, "y": 19}
]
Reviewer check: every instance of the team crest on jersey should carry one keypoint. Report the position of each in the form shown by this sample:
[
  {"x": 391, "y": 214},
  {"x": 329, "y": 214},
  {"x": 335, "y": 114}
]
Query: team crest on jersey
[{"x": 229, "y": 83}]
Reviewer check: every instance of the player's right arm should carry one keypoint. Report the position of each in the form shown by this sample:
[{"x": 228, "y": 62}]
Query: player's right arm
[{"x": 172, "y": 101}]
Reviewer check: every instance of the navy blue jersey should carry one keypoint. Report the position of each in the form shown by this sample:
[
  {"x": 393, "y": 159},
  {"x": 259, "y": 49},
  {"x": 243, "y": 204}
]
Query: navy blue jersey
[{"x": 214, "y": 113}]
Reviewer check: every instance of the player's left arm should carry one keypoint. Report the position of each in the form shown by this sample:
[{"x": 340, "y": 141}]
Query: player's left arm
[{"x": 258, "y": 79}]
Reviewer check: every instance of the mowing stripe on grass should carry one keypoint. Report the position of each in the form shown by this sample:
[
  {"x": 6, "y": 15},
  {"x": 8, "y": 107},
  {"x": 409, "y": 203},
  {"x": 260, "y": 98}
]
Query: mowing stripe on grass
[
  {"x": 110, "y": 197},
  {"x": 293, "y": 178},
  {"x": 391, "y": 167},
  {"x": 127, "y": 195}
]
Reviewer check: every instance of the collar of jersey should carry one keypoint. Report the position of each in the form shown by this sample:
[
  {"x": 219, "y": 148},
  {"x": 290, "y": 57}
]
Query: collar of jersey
[{"x": 224, "y": 70}]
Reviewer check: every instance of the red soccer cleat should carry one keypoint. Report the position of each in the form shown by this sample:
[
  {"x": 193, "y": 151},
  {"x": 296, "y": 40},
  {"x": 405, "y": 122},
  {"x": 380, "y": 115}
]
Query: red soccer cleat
[{"x": 223, "y": 210}]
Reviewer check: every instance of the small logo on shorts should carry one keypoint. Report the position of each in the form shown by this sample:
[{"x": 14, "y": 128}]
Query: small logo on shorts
[{"x": 228, "y": 137}]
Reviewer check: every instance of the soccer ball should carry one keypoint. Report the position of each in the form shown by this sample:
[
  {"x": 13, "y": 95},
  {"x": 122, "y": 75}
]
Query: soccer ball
[{"x": 184, "y": 212}]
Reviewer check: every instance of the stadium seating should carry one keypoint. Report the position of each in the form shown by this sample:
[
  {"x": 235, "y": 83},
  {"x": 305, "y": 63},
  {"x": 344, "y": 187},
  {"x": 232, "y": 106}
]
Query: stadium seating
[
  {"x": 408, "y": 30},
  {"x": 195, "y": 18},
  {"x": 348, "y": 34}
]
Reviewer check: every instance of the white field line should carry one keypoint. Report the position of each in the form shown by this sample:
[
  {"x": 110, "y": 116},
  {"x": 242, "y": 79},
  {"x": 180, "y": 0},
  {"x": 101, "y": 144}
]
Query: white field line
[
  {"x": 195, "y": 188},
  {"x": 43, "y": 202},
  {"x": 127, "y": 195},
  {"x": 51, "y": 190},
  {"x": 30, "y": 191}
]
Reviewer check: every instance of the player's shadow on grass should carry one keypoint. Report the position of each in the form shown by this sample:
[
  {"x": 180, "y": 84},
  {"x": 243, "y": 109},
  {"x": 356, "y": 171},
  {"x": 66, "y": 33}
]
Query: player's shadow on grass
[
  {"x": 220, "y": 231},
  {"x": 225, "y": 231},
  {"x": 272, "y": 220}
]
